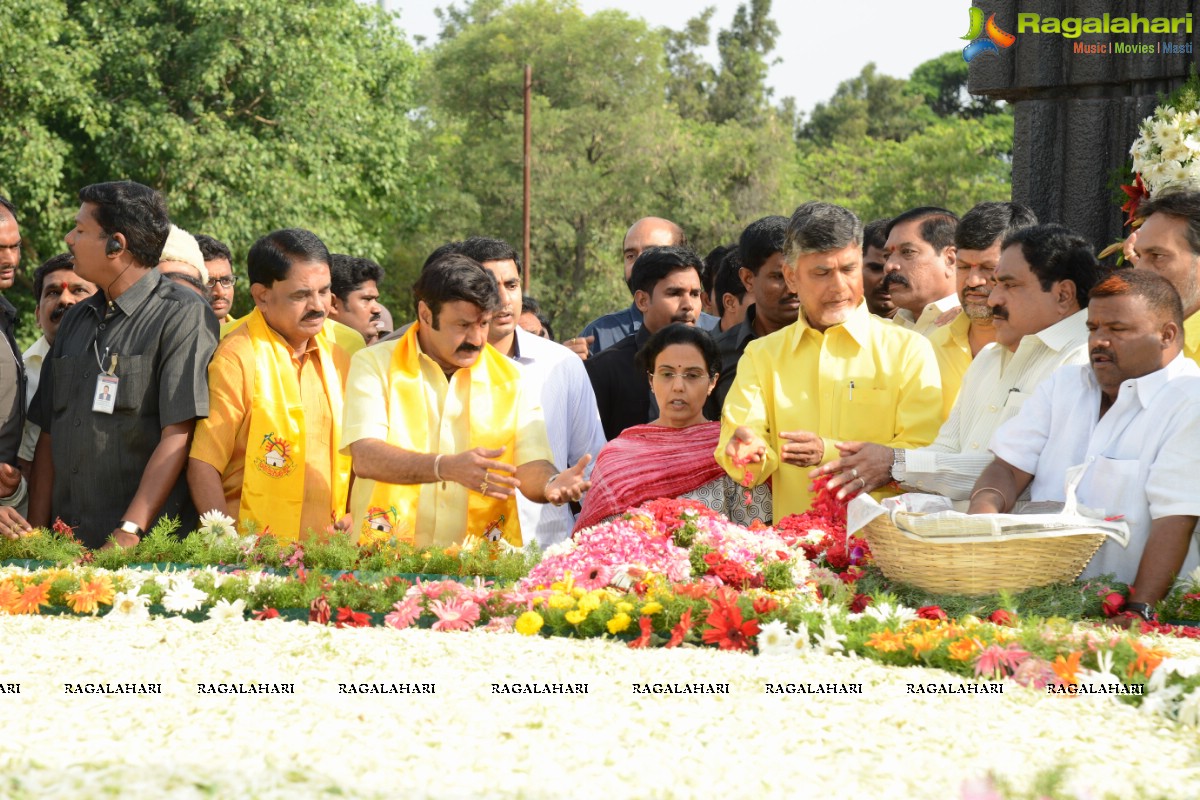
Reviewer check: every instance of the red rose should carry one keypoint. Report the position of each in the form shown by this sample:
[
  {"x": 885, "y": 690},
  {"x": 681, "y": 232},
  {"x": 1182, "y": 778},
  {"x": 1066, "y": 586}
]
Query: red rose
[
  {"x": 1113, "y": 603},
  {"x": 859, "y": 603},
  {"x": 1001, "y": 617},
  {"x": 931, "y": 612}
]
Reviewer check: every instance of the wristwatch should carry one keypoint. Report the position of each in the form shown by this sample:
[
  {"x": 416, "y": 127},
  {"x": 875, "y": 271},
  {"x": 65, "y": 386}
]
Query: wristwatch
[
  {"x": 898, "y": 465},
  {"x": 1143, "y": 610},
  {"x": 131, "y": 527}
]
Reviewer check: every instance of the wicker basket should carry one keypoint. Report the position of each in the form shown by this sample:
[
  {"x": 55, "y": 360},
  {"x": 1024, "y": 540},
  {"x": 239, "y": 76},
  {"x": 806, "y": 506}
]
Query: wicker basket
[{"x": 979, "y": 567}]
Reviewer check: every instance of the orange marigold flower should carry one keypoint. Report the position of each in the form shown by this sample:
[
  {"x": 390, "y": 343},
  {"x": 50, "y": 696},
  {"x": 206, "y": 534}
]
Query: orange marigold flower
[
  {"x": 1067, "y": 668},
  {"x": 88, "y": 598},
  {"x": 1148, "y": 659},
  {"x": 923, "y": 642},
  {"x": 963, "y": 649},
  {"x": 886, "y": 641},
  {"x": 32, "y": 599}
]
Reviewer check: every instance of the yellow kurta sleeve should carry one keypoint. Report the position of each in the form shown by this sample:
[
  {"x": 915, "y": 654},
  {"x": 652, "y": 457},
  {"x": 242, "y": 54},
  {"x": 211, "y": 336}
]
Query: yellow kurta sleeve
[
  {"x": 952, "y": 347},
  {"x": 749, "y": 405},
  {"x": 365, "y": 408},
  {"x": 918, "y": 408},
  {"x": 220, "y": 438}
]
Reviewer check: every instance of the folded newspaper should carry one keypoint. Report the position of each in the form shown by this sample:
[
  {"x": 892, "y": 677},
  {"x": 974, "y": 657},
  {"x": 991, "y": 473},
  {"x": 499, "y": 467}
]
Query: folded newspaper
[{"x": 931, "y": 517}]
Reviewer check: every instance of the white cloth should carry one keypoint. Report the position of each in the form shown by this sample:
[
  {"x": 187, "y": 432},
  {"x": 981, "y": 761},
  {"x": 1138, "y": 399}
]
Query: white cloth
[
  {"x": 33, "y": 358},
  {"x": 994, "y": 388},
  {"x": 927, "y": 322},
  {"x": 558, "y": 377},
  {"x": 1140, "y": 456}
]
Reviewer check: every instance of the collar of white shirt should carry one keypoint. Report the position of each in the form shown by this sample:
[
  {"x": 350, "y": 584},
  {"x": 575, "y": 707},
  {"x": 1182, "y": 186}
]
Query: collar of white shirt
[
  {"x": 1146, "y": 387},
  {"x": 929, "y": 315}
]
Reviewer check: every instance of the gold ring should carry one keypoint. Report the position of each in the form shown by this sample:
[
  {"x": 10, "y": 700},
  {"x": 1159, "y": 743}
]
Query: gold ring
[
  {"x": 854, "y": 472},
  {"x": 863, "y": 482},
  {"x": 483, "y": 487}
]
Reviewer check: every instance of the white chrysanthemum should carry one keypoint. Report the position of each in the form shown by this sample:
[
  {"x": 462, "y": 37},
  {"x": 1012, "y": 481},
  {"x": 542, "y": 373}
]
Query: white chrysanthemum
[
  {"x": 129, "y": 607},
  {"x": 799, "y": 640},
  {"x": 218, "y": 577},
  {"x": 225, "y": 611},
  {"x": 1166, "y": 132},
  {"x": 215, "y": 524},
  {"x": 884, "y": 612},
  {"x": 1189, "y": 709},
  {"x": 774, "y": 639},
  {"x": 1176, "y": 150},
  {"x": 829, "y": 640},
  {"x": 183, "y": 596}
]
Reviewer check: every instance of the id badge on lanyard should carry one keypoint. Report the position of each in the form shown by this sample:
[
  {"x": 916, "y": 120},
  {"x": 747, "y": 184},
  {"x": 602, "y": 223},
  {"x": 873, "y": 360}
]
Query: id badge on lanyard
[{"x": 105, "y": 399}]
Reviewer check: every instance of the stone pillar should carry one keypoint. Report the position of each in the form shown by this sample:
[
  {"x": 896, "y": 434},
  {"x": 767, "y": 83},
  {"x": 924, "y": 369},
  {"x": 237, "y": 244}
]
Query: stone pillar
[{"x": 1077, "y": 113}]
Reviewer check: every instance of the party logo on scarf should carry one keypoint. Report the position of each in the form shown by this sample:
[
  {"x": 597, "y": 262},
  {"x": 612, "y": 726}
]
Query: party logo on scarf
[
  {"x": 494, "y": 532},
  {"x": 380, "y": 525},
  {"x": 276, "y": 460}
]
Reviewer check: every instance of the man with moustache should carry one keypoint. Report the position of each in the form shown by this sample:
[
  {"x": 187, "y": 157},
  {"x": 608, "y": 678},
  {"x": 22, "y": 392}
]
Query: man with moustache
[
  {"x": 666, "y": 288},
  {"x": 267, "y": 453},
  {"x": 920, "y": 267},
  {"x": 774, "y": 306},
  {"x": 1168, "y": 242},
  {"x": 218, "y": 261},
  {"x": 553, "y": 374},
  {"x": 110, "y": 469},
  {"x": 1042, "y": 280},
  {"x": 13, "y": 392},
  {"x": 356, "y": 294},
  {"x": 56, "y": 288},
  {"x": 879, "y": 302},
  {"x": 441, "y": 427},
  {"x": 1125, "y": 428},
  {"x": 977, "y": 243},
  {"x": 837, "y": 373}
]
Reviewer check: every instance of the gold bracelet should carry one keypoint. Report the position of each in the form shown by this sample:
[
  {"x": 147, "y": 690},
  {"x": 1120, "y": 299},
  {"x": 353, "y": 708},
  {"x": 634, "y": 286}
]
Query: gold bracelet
[{"x": 1003, "y": 499}]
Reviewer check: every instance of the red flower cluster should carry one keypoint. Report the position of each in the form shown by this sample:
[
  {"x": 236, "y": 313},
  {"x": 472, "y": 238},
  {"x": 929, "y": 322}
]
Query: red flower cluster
[
  {"x": 835, "y": 551},
  {"x": 319, "y": 611},
  {"x": 731, "y": 573},
  {"x": 647, "y": 627},
  {"x": 266, "y": 612},
  {"x": 680, "y": 631},
  {"x": 931, "y": 612},
  {"x": 859, "y": 603},
  {"x": 63, "y": 529},
  {"x": 668, "y": 513},
  {"x": 727, "y": 629},
  {"x": 1002, "y": 617},
  {"x": 349, "y": 618}
]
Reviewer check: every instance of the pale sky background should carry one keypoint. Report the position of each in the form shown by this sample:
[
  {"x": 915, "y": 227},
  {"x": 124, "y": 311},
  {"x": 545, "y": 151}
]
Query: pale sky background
[{"x": 821, "y": 42}]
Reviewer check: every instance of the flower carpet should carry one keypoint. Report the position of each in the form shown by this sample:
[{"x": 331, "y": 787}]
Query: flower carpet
[
  {"x": 665, "y": 653},
  {"x": 466, "y": 741}
]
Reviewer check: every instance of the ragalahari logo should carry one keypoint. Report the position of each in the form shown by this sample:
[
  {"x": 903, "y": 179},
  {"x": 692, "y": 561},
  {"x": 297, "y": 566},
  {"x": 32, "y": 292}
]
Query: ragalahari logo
[{"x": 985, "y": 37}]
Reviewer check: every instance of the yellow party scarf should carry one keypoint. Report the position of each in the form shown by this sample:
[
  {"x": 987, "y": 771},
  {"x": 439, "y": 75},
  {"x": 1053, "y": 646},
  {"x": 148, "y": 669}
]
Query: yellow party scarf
[
  {"x": 391, "y": 510},
  {"x": 273, "y": 486}
]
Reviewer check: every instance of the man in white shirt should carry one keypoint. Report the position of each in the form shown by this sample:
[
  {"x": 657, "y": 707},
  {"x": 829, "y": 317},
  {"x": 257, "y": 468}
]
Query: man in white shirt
[
  {"x": 1042, "y": 279},
  {"x": 551, "y": 372},
  {"x": 920, "y": 267},
  {"x": 1132, "y": 420}
]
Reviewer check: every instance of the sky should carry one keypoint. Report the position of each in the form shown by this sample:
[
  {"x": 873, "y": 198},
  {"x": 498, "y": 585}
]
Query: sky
[{"x": 821, "y": 42}]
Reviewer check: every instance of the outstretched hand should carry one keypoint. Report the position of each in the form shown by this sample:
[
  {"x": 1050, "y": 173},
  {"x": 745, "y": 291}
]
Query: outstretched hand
[
  {"x": 745, "y": 447},
  {"x": 478, "y": 470},
  {"x": 569, "y": 485},
  {"x": 861, "y": 467}
]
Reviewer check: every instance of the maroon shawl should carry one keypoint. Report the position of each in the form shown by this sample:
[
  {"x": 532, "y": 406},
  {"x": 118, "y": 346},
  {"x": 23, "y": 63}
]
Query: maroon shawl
[{"x": 647, "y": 462}]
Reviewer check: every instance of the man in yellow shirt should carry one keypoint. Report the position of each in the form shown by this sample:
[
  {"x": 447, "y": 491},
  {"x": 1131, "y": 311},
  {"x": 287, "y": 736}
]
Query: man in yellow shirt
[
  {"x": 977, "y": 240},
  {"x": 1168, "y": 242},
  {"x": 441, "y": 430},
  {"x": 838, "y": 373},
  {"x": 267, "y": 451}
]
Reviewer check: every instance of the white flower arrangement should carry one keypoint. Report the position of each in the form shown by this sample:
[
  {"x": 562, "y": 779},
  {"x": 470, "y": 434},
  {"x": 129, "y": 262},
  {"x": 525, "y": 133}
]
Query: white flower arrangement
[{"x": 1167, "y": 152}]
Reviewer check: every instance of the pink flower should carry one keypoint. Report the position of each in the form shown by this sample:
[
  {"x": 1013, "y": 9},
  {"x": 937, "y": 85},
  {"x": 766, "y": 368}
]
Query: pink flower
[
  {"x": 479, "y": 593},
  {"x": 1036, "y": 673},
  {"x": 596, "y": 577},
  {"x": 454, "y": 614},
  {"x": 405, "y": 613},
  {"x": 500, "y": 625},
  {"x": 997, "y": 661},
  {"x": 432, "y": 590}
]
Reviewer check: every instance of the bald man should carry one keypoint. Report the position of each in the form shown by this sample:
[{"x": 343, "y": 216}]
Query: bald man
[{"x": 609, "y": 329}]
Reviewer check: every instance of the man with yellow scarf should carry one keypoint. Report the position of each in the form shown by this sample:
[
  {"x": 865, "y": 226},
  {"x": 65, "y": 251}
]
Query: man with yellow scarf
[
  {"x": 440, "y": 427},
  {"x": 267, "y": 451}
]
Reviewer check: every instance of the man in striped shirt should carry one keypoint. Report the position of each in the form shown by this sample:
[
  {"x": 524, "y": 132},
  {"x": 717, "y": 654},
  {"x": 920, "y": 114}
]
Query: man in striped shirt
[{"x": 1039, "y": 309}]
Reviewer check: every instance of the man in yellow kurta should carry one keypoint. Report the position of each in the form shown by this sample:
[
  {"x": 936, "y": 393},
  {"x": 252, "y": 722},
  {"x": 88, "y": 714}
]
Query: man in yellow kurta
[
  {"x": 440, "y": 427},
  {"x": 836, "y": 374},
  {"x": 267, "y": 451}
]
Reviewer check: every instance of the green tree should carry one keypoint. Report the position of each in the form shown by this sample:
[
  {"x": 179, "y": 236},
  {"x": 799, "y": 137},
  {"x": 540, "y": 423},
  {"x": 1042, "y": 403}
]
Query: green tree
[
  {"x": 690, "y": 76},
  {"x": 942, "y": 82},
  {"x": 740, "y": 91},
  {"x": 869, "y": 104},
  {"x": 249, "y": 115}
]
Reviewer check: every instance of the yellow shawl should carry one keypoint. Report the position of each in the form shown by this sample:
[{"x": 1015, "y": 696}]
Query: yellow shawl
[
  {"x": 390, "y": 510},
  {"x": 273, "y": 486}
]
